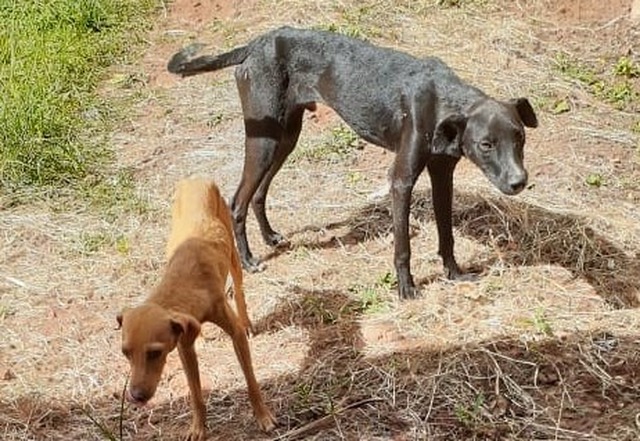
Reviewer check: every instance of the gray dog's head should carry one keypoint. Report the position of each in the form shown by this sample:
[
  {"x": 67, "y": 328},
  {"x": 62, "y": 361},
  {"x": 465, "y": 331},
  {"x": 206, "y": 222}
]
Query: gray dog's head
[{"x": 492, "y": 136}]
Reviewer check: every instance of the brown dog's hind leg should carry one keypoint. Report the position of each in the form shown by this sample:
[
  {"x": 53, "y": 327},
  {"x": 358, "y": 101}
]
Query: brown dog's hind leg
[
  {"x": 227, "y": 320},
  {"x": 238, "y": 292}
]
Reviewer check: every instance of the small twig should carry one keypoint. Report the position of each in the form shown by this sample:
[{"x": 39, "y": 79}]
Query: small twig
[
  {"x": 124, "y": 391},
  {"x": 433, "y": 391},
  {"x": 15, "y": 281},
  {"x": 292, "y": 434},
  {"x": 504, "y": 357}
]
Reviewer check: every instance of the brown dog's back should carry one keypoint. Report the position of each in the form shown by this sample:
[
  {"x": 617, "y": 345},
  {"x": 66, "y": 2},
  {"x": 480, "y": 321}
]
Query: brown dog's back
[{"x": 199, "y": 211}]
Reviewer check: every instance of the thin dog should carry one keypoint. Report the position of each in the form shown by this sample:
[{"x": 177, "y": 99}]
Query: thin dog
[
  {"x": 201, "y": 255},
  {"x": 418, "y": 108}
]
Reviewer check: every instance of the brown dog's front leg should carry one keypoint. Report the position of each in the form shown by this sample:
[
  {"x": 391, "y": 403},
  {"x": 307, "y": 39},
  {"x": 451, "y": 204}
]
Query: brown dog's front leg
[{"x": 189, "y": 361}]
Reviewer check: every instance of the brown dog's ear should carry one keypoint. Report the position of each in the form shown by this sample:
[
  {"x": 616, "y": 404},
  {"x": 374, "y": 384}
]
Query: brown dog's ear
[
  {"x": 185, "y": 326},
  {"x": 448, "y": 135},
  {"x": 119, "y": 319},
  {"x": 525, "y": 111}
]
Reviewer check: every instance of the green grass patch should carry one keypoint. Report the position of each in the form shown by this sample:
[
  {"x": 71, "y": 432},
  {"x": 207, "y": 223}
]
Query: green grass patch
[
  {"x": 614, "y": 84},
  {"x": 362, "y": 20},
  {"x": 341, "y": 146},
  {"x": 52, "y": 56},
  {"x": 374, "y": 299}
]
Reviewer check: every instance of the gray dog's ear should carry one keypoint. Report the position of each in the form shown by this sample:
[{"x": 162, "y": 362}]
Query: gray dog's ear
[
  {"x": 448, "y": 135},
  {"x": 525, "y": 111}
]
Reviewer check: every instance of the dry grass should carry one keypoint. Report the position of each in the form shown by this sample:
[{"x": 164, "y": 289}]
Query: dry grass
[{"x": 543, "y": 346}]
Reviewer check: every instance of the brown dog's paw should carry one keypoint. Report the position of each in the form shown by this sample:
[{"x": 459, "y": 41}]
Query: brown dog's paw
[
  {"x": 196, "y": 433},
  {"x": 267, "y": 422}
]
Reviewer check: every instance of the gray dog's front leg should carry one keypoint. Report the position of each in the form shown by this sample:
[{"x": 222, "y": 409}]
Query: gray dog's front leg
[{"x": 441, "y": 172}]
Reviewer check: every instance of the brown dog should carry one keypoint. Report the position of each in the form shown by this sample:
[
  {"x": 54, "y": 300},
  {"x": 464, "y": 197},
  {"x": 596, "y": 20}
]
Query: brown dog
[{"x": 201, "y": 254}]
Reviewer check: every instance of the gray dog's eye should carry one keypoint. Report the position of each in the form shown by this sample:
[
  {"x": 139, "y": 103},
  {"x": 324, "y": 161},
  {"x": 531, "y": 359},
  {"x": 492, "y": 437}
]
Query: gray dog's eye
[{"x": 486, "y": 146}]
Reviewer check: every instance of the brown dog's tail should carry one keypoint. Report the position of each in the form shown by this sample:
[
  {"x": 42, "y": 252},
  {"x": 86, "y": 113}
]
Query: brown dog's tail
[{"x": 186, "y": 64}]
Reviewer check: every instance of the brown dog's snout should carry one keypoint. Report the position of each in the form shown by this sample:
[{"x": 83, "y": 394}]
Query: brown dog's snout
[{"x": 138, "y": 395}]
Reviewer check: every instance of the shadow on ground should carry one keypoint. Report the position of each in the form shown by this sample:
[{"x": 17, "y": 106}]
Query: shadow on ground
[
  {"x": 581, "y": 387},
  {"x": 517, "y": 233}
]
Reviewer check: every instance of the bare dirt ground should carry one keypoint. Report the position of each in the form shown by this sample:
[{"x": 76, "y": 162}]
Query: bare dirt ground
[{"x": 545, "y": 345}]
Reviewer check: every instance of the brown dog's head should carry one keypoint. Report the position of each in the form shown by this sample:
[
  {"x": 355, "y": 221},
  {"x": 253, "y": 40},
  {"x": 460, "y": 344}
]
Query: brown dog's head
[{"x": 149, "y": 333}]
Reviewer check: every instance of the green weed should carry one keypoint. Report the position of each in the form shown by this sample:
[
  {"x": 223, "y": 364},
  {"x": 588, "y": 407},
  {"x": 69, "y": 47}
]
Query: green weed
[
  {"x": 594, "y": 180},
  {"x": 388, "y": 281},
  {"x": 111, "y": 195},
  {"x": 372, "y": 299},
  {"x": 541, "y": 323},
  {"x": 350, "y": 30},
  {"x": 469, "y": 415},
  {"x": 492, "y": 285},
  {"x": 625, "y": 67},
  {"x": 560, "y": 106},
  {"x": 94, "y": 241}
]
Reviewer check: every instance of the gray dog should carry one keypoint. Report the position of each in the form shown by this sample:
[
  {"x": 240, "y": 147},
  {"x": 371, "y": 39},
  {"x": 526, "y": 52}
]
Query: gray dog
[{"x": 417, "y": 108}]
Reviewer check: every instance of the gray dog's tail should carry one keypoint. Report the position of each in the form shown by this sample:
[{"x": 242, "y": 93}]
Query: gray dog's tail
[{"x": 186, "y": 64}]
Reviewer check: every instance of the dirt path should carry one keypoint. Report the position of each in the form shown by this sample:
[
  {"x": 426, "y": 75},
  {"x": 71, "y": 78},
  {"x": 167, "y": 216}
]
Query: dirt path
[{"x": 545, "y": 344}]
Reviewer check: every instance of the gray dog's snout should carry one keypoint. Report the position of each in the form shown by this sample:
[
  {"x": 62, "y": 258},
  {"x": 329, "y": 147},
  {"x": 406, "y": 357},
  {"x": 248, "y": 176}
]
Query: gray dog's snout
[{"x": 517, "y": 183}]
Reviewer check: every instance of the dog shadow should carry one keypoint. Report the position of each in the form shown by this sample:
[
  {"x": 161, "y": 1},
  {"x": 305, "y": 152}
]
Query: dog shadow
[
  {"x": 519, "y": 234},
  {"x": 487, "y": 390}
]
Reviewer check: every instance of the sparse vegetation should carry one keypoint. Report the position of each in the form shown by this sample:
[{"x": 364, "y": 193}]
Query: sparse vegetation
[
  {"x": 616, "y": 89},
  {"x": 374, "y": 299},
  {"x": 361, "y": 21},
  {"x": 342, "y": 145}
]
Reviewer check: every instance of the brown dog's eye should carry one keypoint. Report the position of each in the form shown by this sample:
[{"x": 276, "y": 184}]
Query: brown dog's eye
[
  {"x": 153, "y": 355},
  {"x": 486, "y": 146}
]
